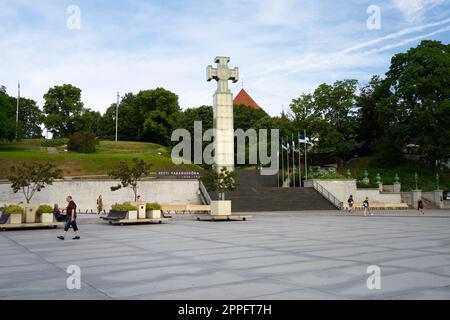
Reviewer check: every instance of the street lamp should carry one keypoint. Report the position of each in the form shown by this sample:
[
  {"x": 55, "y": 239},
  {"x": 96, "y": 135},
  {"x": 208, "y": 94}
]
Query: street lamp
[
  {"x": 437, "y": 180},
  {"x": 415, "y": 178},
  {"x": 117, "y": 114}
]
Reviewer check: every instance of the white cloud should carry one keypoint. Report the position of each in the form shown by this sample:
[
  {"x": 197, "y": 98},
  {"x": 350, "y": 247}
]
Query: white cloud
[
  {"x": 413, "y": 10},
  {"x": 282, "y": 48}
]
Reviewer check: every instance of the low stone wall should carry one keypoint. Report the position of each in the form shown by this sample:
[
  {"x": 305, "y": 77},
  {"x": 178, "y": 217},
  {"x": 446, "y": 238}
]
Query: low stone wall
[
  {"x": 435, "y": 197},
  {"x": 86, "y": 192},
  {"x": 342, "y": 189}
]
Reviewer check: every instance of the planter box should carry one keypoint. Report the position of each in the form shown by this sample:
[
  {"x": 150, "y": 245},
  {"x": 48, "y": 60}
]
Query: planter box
[
  {"x": 221, "y": 208},
  {"x": 46, "y": 218},
  {"x": 15, "y": 219},
  {"x": 154, "y": 214},
  {"x": 132, "y": 215}
]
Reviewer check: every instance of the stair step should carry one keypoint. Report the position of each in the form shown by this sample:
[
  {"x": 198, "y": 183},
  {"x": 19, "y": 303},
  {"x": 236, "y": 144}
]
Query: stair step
[{"x": 256, "y": 193}]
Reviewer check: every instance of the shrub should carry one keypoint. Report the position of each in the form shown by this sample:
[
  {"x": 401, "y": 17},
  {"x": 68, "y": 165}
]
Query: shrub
[
  {"x": 54, "y": 142},
  {"x": 123, "y": 207},
  {"x": 370, "y": 185},
  {"x": 13, "y": 210},
  {"x": 44, "y": 209},
  {"x": 153, "y": 206},
  {"x": 82, "y": 142}
]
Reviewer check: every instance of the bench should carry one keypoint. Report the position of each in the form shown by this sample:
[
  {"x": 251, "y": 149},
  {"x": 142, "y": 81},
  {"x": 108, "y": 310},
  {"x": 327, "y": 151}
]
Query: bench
[
  {"x": 181, "y": 208},
  {"x": 4, "y": 217},
  {"x": 379, "y": 206},
  {"x": 114, "y": 215},
  {"x": 120, "y": 217}
]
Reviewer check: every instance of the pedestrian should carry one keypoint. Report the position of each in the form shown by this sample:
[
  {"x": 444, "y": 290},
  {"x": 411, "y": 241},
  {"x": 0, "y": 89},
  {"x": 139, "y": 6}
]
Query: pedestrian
[
  {"x": 139, "y": 199},
  {"x": 99, "y": 204},
  {"x": 350, "y": 204},
  {"x": 71, "y": 219},
  {"x": 420, "y": 207},
  {"x": 366, "y": 206}
]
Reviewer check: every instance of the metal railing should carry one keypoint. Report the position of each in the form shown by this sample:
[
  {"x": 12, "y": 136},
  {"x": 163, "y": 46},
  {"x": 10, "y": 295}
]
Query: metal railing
[
  {"x": 204, "y": 194},
  {"x": 324, "y": 192}
]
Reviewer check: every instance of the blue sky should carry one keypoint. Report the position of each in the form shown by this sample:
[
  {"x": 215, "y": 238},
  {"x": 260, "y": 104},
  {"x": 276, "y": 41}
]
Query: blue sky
[{"x": 282, "y": 47}]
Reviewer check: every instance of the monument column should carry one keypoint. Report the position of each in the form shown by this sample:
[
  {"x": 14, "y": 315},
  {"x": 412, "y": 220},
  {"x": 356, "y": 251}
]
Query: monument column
[{"x": 223, "y": 112}]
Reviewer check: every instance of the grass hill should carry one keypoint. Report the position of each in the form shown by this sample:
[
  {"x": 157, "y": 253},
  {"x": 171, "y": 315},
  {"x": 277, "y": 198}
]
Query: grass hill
[{"x": 77, "y": 164}]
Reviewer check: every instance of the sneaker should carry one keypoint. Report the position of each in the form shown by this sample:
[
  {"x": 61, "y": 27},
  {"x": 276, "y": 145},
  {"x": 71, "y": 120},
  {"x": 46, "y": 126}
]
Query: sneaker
[
  {"x": 60, "y": 237},
  {"x": 76, "y": 238}
]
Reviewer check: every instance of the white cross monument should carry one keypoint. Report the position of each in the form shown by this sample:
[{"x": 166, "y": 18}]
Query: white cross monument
[{"x": 223, "y": 112}]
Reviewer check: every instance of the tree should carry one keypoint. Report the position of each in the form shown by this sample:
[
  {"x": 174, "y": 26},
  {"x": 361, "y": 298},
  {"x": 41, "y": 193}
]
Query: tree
[
  {"x": 369, "y": 126},
  {"x": 159, "y": 109},
  {"x": 130, "y": 176},
  {"x": 221, "y": 181},
  {"x": 418, "y": 83},
  {"x": 32, "y": 177},
  {"x": 7, "y": 118},
  {"x": 186, "y": 119},
  {"x": 62, "y": 108},
  {"x": 88, "y": 121},
  {"x": 30, "y": 118},
  {"x": 246, "y": 117},
  {"x": 130, "y": 120},
  {"x": 329, "y": 114}
]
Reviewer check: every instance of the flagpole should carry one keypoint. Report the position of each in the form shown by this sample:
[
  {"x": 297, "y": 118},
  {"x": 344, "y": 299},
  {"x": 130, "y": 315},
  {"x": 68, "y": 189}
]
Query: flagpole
[
  {"x": 282, "y": 162},
  {"x": 306, "y": 157},
  {"x": 287, "y": 160},
  {"x": 299, "y": 162},
  {"x": 17, "y": 108},
  {"x": 293, "y": 160},
  {"x": 278, "y": 167}
]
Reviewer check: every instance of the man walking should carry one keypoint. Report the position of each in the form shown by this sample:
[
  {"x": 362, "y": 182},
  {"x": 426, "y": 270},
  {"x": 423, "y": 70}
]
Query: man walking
[{"x": 71, "y": 219}]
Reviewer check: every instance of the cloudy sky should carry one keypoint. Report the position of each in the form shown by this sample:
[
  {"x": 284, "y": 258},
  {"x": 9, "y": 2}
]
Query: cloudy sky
[{"x": 282, "y": 47}]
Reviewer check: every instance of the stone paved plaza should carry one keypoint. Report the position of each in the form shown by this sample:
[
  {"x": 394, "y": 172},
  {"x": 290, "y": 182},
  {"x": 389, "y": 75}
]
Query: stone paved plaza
[{"x": 312, "y": 255}]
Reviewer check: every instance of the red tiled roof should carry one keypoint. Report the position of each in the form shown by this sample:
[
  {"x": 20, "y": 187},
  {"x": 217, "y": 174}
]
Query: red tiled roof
[{"x": 244, "y": 98}]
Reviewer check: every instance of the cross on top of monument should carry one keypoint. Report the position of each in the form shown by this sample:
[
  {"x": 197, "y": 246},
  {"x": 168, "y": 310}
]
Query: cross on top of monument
[{"x": 222, "y": 74}]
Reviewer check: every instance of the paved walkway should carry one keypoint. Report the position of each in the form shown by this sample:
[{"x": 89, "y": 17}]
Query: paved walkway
[{"x": 273, "y": 256}]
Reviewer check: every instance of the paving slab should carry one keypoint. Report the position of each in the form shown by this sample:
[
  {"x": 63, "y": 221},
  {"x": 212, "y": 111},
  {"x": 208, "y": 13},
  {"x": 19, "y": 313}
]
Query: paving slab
[{"x": 282, "y": 255}]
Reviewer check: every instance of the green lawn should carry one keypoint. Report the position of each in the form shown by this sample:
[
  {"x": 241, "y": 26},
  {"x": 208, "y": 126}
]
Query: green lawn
[
  {"x": 406, "y": 171},
  {"x": 108, "y": 154}
]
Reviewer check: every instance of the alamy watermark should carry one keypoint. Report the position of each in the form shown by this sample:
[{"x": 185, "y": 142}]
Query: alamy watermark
[
  {"x": 374, "y": 20},
  {"x": 73, "y": 281},
  {"x": 257, "y": 152},
  {"x": 73, "y": 21},
  {"x": 374, "y": 280}
]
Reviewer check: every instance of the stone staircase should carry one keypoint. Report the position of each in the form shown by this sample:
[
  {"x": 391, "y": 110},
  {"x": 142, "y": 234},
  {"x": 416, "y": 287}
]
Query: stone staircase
[{"x": 257, "y": 193}]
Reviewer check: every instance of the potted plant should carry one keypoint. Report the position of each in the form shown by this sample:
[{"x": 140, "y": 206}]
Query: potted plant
[
  {"x": 130, "y": 209},
  {"x": 45, "y": 213},
  {"x": 15, "y": 214},
  {"x": 153, "y": 210},
  {"x": 221, "y": 181}
]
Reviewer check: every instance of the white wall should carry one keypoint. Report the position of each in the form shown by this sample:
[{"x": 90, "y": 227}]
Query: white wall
[
  {"x": 85, "y": 193},
  {"x": 342, "y": 189}
]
